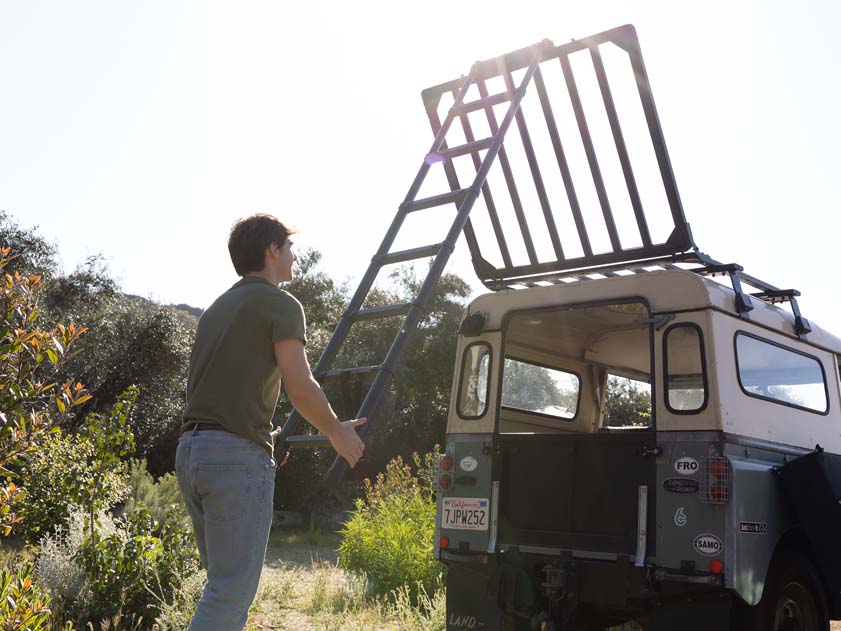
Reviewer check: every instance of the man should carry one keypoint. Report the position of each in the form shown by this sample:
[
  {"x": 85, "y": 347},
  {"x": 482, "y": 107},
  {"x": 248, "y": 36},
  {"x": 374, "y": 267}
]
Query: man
[{"x": 251, "y": 336}]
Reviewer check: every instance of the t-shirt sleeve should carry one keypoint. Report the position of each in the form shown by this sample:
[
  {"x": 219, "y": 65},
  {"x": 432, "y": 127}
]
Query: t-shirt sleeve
[{"x": 287, "y": 318}]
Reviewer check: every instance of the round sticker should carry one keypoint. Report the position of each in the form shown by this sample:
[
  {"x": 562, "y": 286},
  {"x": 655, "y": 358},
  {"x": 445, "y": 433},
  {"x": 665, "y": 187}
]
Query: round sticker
[
  {"x": 708, "y": 545},
  {"x": 686, "y": 466},
  {"x": 468, "y": 463}
]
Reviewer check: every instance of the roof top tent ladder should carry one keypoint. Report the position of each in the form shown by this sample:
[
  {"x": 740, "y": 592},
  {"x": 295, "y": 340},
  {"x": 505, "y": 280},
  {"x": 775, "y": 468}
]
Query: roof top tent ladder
[{"x": 464, "y": 198}]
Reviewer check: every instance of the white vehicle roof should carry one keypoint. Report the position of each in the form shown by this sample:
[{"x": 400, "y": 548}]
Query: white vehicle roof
[{"x": 665, "y": 291}]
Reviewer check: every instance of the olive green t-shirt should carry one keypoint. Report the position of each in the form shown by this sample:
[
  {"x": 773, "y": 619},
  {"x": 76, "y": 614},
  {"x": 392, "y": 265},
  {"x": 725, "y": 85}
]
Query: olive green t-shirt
[{"x": 234, "y": 378}]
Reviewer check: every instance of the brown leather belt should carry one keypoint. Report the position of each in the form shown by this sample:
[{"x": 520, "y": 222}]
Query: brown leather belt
[{"x": 203, "y": 427}]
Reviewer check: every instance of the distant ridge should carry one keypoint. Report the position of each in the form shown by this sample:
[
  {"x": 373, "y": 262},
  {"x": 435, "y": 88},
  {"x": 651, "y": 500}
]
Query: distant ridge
[{"x": 191, "y": 310}]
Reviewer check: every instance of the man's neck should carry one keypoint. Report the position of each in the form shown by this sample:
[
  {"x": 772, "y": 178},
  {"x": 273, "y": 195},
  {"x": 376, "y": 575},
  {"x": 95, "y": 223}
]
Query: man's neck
[{"x": 265, "y": 275}]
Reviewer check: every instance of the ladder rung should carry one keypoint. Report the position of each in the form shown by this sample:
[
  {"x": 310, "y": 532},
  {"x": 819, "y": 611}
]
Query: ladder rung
[
  {"x": 338, "y": 372},
  {"x": 308, "y": 438},
  {"x": 488, "y": 101},
  {"x": 387, "y": 311},
  {"x": 470, "y": 147},
  {"x": 437, "y": 200},
  {"x": 410, "y": 255}
]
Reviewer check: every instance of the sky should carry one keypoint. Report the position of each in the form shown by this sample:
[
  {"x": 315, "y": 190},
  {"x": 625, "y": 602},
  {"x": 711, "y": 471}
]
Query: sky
[{"x": 141, "y": 130}]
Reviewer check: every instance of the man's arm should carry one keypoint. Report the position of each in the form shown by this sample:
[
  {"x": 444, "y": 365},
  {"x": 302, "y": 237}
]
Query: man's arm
[{"x": 308, "y": 398}]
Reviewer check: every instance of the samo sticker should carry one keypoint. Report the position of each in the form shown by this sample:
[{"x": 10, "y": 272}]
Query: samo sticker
[
  {"x": 686, "y": 466},
  {"x": 468, "y": 463},
  {"x": 708, "y": 545},
  {"x": 681, "y": 486}
]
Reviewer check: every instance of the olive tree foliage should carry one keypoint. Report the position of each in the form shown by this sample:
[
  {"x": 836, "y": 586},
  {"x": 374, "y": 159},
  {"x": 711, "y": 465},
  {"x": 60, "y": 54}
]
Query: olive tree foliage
[{"x": 131, "y": 341}]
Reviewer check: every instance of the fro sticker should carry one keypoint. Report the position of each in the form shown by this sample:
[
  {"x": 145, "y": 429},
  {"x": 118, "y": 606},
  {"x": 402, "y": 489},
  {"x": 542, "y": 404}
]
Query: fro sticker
[
  {"x": 708, "y": 545},
  {"x": 687, "y": 466},
  {"x": 680, "y": 517},
  {"x": 468, "y": 463}
]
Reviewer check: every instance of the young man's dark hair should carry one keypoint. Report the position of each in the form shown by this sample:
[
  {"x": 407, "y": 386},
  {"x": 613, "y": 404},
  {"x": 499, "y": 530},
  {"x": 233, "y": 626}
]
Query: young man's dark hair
[{"x": 251, "y": 236}]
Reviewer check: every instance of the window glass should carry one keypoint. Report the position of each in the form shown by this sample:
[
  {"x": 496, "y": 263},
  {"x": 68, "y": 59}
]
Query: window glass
[
  {"x": 475, "y": 377},
  {"x": 627, "y": 403},
  {"x": 779, "y": 374},
  {"x": 686, "y": 378},
  {"x": 539, "y": 389}
]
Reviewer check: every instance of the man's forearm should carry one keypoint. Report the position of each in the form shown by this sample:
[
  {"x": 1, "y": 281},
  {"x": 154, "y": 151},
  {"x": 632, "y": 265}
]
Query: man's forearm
[{"x": 310, "y": 401}]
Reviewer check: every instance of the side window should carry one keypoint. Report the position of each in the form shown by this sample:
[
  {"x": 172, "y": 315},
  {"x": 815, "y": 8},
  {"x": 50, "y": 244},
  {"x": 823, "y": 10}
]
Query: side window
[
  {"x": 779, "y": 374},
  {"x": 475, "y": 378},
  {"x": 684, "y": 369},
  {"x": 539, "y": 389}
]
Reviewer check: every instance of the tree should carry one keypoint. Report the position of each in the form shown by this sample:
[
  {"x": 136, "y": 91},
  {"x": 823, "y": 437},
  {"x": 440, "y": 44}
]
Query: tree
[
  {"x": 32, "y": 253},
  {"x": 131, "y": 341},
  {"x": 413, "y": 414},
  {"x": 627, "y": 403}
]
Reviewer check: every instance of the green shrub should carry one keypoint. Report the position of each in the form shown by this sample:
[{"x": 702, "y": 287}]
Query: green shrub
[
  {"x": 389, "y": 536},
  {"x": 53, "y": 475},
  {"x": 159, "y": 496},
  {"x": 29, "y": 360},
  {"x": 58, "y": 571},
  {"x": 23, "y": 605},
  {"x": 132, "y": 571}
]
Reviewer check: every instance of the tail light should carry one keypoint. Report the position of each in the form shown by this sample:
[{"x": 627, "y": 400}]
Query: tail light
[
  {"x": 445, "y": 466},
  {"x": 444, "y": 542},
  {"x": 716, "y": 488}
]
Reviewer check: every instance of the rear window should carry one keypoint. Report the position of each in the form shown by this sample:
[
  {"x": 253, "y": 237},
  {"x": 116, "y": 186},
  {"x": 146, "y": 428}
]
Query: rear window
[
  {"x": 686, "y": 376},
  {"x": 475, "y": 379},
  {"x": 782, "y": 375},
  {"x": 538, "y": 389}
]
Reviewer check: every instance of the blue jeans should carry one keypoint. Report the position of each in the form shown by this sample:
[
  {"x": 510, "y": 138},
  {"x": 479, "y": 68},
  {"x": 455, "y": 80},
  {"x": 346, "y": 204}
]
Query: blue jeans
[{"x": 227, "y": 483}]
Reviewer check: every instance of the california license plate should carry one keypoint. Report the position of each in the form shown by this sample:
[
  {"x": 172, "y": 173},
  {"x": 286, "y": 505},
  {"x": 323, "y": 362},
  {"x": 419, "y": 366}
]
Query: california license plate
[{"x": 464, "y": 513}]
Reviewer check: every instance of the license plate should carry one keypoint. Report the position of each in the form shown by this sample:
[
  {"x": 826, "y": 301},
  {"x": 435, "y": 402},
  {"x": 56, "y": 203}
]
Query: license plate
[{"x": 464, "y": 513}]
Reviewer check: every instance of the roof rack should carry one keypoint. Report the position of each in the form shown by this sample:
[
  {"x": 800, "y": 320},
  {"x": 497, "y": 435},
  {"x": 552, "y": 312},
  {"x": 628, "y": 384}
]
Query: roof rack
[{"x": 706, "y": 267}]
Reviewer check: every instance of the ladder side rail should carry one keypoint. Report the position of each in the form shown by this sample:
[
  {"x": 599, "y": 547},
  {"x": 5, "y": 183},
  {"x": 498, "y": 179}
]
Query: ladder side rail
[
  {"x": 377, "y": 390},
  {"x": 563, "y": 165},
  {"x": 534, "y": 167},
  {"x": 489, "y": 201},
  {"x": 621, "y": 148},
  {"x": 293, "y": 421},
  {"x": 657, "y": 140},
  {"x": 509, "y": 180},
  {"x": 452, "y": 180},
  {"x": 590, "y": 152}
]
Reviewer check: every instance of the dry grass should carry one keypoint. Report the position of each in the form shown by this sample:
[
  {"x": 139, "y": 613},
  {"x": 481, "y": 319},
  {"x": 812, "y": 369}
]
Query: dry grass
[{"x": 301, "y": 588}]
